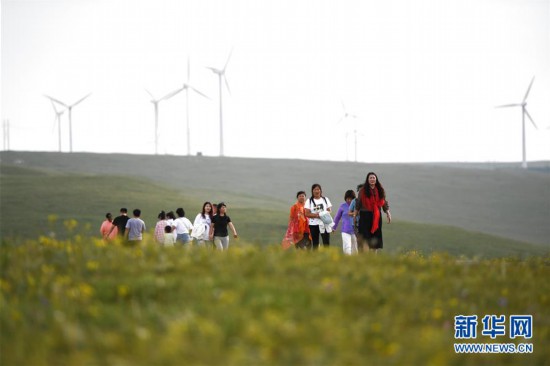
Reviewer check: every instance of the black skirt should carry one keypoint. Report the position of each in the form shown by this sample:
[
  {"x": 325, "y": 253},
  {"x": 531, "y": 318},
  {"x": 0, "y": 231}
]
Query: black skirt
[{"x": 374, "y": 240}]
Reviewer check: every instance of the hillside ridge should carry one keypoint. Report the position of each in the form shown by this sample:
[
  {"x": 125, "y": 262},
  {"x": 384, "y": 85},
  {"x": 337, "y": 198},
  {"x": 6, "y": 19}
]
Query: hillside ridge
[{"x": 498, "y": 200}]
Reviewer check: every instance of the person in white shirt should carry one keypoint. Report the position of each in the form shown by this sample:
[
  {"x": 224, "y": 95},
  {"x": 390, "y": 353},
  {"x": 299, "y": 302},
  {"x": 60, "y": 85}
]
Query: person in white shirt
[
  {"x": 201, "y": 225},
  {"x": 183, "y": 227},
  {"x": 314, "y": 207},
  {"x": 169, "y": 239}
]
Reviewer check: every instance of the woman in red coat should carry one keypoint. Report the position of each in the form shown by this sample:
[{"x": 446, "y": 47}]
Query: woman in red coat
[
  {"x": 297, "y": 233},
  {"x": 369, "y": 204}
]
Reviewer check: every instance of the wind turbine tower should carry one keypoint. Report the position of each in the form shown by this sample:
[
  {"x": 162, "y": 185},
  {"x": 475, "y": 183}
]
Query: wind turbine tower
[
  {"x": 344, "y": 118},
  {"x": 156, "y": 105},
  {"x": 6, "y": 126},
  {"x": 221, "y": 74},
  {"x": 524, "y": 113},
  {"x": 58, "y": 114},
  {"x": 69, "y": 108},
  {"x": 186, "y": 87}
]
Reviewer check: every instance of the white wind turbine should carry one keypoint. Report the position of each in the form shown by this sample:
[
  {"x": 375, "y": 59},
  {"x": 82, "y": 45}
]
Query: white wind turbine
[
  {"x": 186, "y": 87},
  {"x": 156, "y": 104},
  {"x": 345, "y": 117},
  {"x": 69, "y": 108},
  {"x": 524, "y": 113},
  {"x": 58, "y": 114},
  {"x": 221, "y": 74}
]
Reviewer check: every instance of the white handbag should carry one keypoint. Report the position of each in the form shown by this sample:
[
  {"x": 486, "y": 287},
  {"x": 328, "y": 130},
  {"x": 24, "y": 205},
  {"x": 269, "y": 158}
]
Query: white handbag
[
  {"x": 198, "y": 230},
  {"x": 325, "y": 217}
]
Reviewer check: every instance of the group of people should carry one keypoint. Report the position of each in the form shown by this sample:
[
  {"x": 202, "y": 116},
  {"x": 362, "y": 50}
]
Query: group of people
[
  {"x": 310, "y": 222},
  {"x": 310, "y": 219},
  {"x": 130, "y": 229},
  {"x": 209, "y": 228}
]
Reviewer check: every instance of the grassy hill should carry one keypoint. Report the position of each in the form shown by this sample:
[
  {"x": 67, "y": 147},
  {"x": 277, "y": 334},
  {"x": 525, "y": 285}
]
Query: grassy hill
[
  {"x": 81, "y": 301},
  {"x": 462, "y": 209}
]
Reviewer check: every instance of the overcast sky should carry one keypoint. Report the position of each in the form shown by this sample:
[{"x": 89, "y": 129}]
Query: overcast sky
[{"x": 422, "y": 77}]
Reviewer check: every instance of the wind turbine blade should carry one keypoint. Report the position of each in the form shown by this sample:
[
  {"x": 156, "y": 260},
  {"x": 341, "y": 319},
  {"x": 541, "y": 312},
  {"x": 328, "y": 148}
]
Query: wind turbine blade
[
  {"x": 508, "y": 105},
  {"x": 343, "y": 106},
  {"x": 226, "y": 62},
  {"x": 226, "y": 84},
  {"x": 341, "y": 119},
  {"x": 54, "y": 108},
  {"x": 528, "y": 89},
  {"x": 152, "y": 97},
  {"x": 198, "y": 92},
  {"x": 214, "y": 70},
  {"x": 171, "y": 94},
  {"x": 57, "y": 101},
  {"x": 528, "y": 115},
  {"x": 81, "y": 100}
]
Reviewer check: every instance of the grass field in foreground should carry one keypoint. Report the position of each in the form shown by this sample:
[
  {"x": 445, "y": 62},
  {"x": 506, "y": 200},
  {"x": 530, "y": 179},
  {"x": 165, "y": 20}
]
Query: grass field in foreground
[{"x": 82, "y": 302}]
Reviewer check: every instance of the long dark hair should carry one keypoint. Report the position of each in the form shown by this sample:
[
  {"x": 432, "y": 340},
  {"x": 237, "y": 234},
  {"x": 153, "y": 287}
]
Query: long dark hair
[
  {"x": 203, "y": 212},
  {"x": 365, "y": 190}
]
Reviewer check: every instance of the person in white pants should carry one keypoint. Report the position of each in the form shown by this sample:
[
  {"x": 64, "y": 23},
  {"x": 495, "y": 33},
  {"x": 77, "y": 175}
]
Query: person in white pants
[{"x": 349, "y": 240}]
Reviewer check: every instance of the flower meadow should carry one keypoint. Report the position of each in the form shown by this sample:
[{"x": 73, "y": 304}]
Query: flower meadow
[{"x": 83, "y": 301}]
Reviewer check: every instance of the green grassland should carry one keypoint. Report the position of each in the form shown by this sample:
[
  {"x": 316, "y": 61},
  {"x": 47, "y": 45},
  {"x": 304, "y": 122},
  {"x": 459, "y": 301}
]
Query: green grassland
[
  {"x": 496, "y": 199},
  {"x": 43, "y": 202},
  {"x": 464, "y": 241},
  {"x": 82, "y": 302}
]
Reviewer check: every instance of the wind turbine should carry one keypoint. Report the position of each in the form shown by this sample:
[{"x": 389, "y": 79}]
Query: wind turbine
[
  {"x": 221, "y": 74},
  {"x": 6, "y": 125},
  {"x": 186, "y": 87},
  {"x": 156, "y": 104},
  {"x": 69, "y": 108},
  {"x": 58, "y": 114},
  {"x": 344, "y": 118},
  {"x": 524, "y": 113}
]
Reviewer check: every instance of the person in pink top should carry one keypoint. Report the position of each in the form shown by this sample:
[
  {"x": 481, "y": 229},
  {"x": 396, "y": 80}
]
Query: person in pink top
[
  {"x": 105, "y": 228},
  {"x": 159, "y": 228}
]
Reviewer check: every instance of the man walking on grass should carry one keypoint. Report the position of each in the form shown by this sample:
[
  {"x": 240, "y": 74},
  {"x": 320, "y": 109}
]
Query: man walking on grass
[
  {"x": 135, "y": 228},
  {"x": 120, "y": 223}
]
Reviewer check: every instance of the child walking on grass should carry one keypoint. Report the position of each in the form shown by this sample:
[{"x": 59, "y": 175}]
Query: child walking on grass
[
  {"x": 349, "y": 240},
  {"x": 169, "y": 239}
]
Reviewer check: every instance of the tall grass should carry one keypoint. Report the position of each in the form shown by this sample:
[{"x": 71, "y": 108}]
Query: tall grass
[{"x": 82, "y": 301}]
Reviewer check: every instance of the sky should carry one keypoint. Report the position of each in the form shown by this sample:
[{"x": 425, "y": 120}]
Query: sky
[{"x": 422, "y": 77}]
